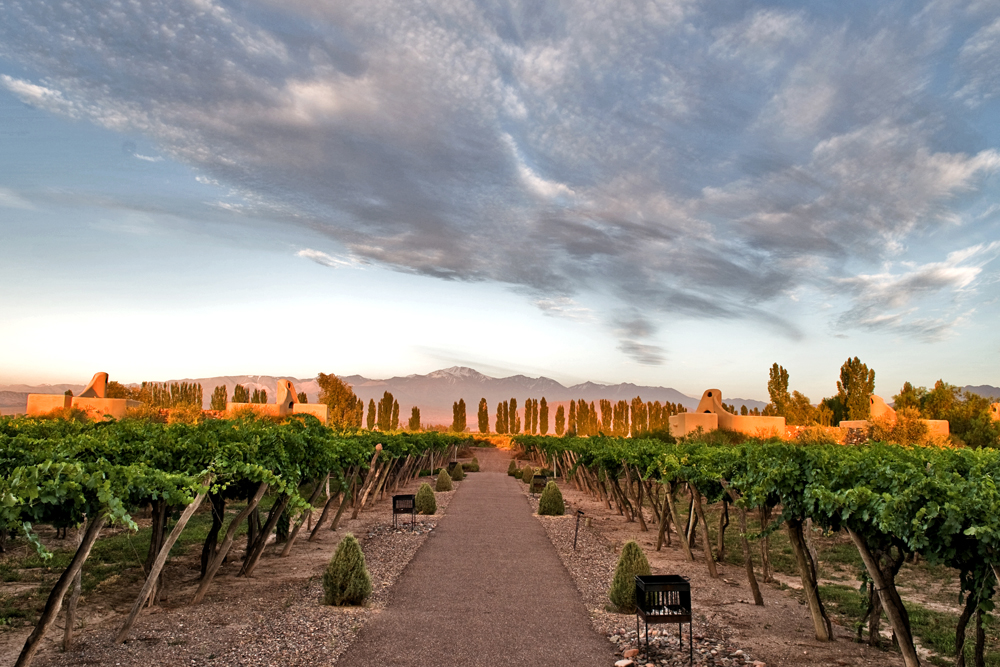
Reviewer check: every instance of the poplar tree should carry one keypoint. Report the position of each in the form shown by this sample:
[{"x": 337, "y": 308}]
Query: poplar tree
[
  {"x": 484, "y": 416},
  {"x": 458, "y": 421},
  {"x": 414, "y": 424},
  {"x": 560, "y": 420},
  {"x": 777, "y": 388},
  {"x": 240, "y": 394},
  {"x": 607, "y": 417},
  {"x": 543, "y": 417},
  {"x": 855, "y": 388},
  {"x": 259, "y": 396},
  {"x": 386, "y": 407},
  {"x": 371, "y": 414},
  {"x": 219, "y": 398},
  {"x": 571, "y": 426},
  {"x": 513, "y": 419},
  {"x": 303, "y": 398},
  {"x": 394, "y": 422},
  {"x": 501, "y": 422}
]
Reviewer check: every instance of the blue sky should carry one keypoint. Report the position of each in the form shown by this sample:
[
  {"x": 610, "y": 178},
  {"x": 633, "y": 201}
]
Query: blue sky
[{"x": 670, "y": 193}]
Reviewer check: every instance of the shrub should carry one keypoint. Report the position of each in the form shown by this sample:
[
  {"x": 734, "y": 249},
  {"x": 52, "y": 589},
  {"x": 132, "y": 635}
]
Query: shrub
[
  {"x": 632, "y": 562},
  {"x": 444, "y": 481},
  {"x": 551, "y": 501},
  {"x": 512, "y": 469},
  {"x": 527, "y": 472},
  {"x": 458, "y": 473},
  {"x": 471, "y": 466},
  {"x": 425, "y": 502},
  {"x": 346, "y": 580}
]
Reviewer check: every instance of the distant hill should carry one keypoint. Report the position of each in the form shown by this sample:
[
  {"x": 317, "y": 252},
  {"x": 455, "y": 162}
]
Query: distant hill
[
  {"x": 434, "y": 392},
  {"x": 984, "y": 390}
]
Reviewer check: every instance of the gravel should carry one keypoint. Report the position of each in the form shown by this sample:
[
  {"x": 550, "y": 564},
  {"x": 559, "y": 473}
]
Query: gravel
[{"x": 592, "y": 567}]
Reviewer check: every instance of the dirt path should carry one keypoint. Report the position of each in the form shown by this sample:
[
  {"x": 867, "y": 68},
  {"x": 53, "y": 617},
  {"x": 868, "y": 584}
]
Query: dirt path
[{"x": 486, "y": 589}]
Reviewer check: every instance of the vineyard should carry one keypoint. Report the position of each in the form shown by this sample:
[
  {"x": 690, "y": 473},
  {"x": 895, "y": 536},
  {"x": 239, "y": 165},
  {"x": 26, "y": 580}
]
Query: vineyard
[
  {"x": 66, "y": 473},
  {"x": 892, "y": 501}
]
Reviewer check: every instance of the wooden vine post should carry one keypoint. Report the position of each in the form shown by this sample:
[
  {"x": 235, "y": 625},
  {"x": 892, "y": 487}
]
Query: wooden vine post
[
  {"x": 676, "y": 519},
  {"x": 54, "y": 602},
  {"x": 227, "y": 543},
  {"x": 758, "y": 599},
  {"x": 305, "y": 515},
  {"x": 807, "y": 571},
  {"x": 373, "y": 470},
  {"x": 161, "y": 559}
]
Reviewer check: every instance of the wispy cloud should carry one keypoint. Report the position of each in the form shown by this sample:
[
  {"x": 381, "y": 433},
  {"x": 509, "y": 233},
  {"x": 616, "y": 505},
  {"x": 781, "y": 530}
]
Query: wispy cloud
[
  {"x": 323, "y": 258},
  {"x": 11, "y": 199},
  {"x": 680, "y": 159}
]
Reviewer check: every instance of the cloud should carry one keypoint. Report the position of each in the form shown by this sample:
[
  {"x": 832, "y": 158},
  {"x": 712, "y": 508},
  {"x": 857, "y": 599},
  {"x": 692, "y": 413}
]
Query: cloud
[
  {"x": 886, "y": 301},
  {"x": 679, "y": 160},
  {"x": 323, "y": 258},
  {"x": 11, "y": 199}
]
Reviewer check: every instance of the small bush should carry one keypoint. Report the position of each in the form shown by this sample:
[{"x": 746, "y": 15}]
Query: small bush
[
  {"x": 426, "y": 503},
  {"x": 551, "y": 501},
  {"x": 632, "y": 562},
  {"x": 444, "y": 481},
  {"x": 471, "y": 466},
  {"x": 527, "y": 472},
  {"x": 425, "y": 473},
  {"x": 457, "y": 473},
  {"x": 512, "y": 469},
  {"x": 346, "y": 580}
]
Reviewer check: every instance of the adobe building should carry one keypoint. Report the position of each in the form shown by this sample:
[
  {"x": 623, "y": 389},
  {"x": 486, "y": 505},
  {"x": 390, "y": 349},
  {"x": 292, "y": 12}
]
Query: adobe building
[
  {"x": 91, "y": 400},
  {"x": 286, "y": 403},
  {"x": 936, "y": 428},
  {"x": 710, "y": 415}
]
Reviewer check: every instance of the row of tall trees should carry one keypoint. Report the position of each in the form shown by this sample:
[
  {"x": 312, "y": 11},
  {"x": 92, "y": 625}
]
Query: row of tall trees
[
  {"x": 159, "y": 394},
  {"x": 623, "y": 418}
]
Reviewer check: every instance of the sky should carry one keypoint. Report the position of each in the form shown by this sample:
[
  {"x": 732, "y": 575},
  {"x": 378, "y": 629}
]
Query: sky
[{"x": 668, "y": 193}]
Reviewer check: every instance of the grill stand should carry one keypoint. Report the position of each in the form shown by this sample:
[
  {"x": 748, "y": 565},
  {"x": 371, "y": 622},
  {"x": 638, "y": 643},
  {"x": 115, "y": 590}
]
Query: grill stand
[{"x": 664, "y": 599}]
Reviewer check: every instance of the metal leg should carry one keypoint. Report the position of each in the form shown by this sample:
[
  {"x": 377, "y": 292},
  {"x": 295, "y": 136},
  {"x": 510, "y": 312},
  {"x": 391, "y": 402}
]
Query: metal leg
[{"x": 691, "y": 643}]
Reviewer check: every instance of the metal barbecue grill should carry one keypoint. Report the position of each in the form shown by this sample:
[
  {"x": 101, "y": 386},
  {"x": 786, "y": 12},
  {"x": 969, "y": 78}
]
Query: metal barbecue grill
[
  {"x": 404, "y": 504},
  {"x": 664, "y": 598}
]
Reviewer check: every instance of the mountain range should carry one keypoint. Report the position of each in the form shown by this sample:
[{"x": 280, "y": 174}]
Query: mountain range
[{"x": 435, "y": 392}]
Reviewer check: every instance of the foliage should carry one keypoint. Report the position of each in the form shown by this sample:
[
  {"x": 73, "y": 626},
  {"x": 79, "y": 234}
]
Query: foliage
[
  {"x": 443, "y": 481},
  {"x": 302, "y": 397},
  {"x": 414, "y": 423},
  {"x": 259, "y": 396},
  {"x": 458, "y": 418},
  {"x": 220, "y": 396},
  {"x": 631, "y": 563},
  {"x": 906, "y": 429},
  {"x": 471, "y": 466},
  {"x": 543, "y": 417},
  {"x": 241, "y": 394},
  {"x": 343, "y": 406},
  {"x": 426, "y": 503},
  {"x": 560, "y": 420},
  {"x": 512, "y": 468},
  {"x": 513, "y": 419},
  {"x": 968, "y": 414},
  {"x": 484, "y": 416},
  {"x": 458, "y": 473},
  {"x": 855, "y": 388},
  {"x": 527, "y": 472},
  {"x": 370, "y": 422},
  {"x": 346, "y": 580},
  {"x": 777, "y": 389},
  {"x": 551, "y": 501}
]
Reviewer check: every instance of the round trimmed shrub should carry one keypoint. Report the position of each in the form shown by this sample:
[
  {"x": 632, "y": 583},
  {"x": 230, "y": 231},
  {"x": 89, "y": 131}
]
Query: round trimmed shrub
[
  {"x": 512, "y": 469},
  {"x": 551, "y": 501},
  {"x": 471, "y": 466},
  {"x": 458, "y": 473},
  {"x": 346, "y": 580},
  {"x": 632, "y": 562},
  {"x": 527, "y": 472},
  {"x": 444, "y": 481},
  {"x": 425, "y": 502}
]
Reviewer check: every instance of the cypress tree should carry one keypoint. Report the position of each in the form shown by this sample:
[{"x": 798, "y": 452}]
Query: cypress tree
[
  {"x": 534, "y": 416},
  {"x": 346, "y": 580},
  {"x": 458, "y": 420},
  {"x": 371, "y": 414},
  {"x": 631, "y": 563},
  {"x": 513, "y": 419},
  {"x": 560, "y": 420},
  {"x": 443, "y": 481},
  {"x": 501, "y": 423},
  {"x": 607, "y": 417},
  {"x": 414, "y": 424},
  {"x": 484, "y": 416},
  {"x": 571, "y": 426},
  {"x": 219, "y": 398},
  {"x": 543, "y": 417},
  {"x": 394, "y": 425}
]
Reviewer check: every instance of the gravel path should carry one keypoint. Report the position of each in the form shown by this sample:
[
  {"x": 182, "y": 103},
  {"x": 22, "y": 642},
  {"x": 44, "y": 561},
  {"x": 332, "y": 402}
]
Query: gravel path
[{"x": 487, "y": 588}]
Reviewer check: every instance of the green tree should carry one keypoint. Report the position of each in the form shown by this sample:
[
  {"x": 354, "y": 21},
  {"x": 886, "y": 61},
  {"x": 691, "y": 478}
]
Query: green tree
[
  {"x": 560, "y": 420},
  {"x": 513, "y": 419},
  {"x": 240, "y": 394},
  {"x": 855, "y": 388},
  {"x": 372, "y": 412},
  {"x": 259, "y": 396},
  {"x": 115, "y": 390},
  {"x": 571, "y": 425},
  {"x": 394, "y": 421},
  {"x": 414, "y": 424},
  {"x": 543, "y": 417},
  {"x": 484, "y": 416},
  {"x": 219, "y": 398},
  {"x": 501, "y": 422},
  {"x": 777, "y": 388},
  {"x": 340, "y": 401},
  {"x": 458, "y": 420},
  {"x": 302, "y": 397},
  {"x": 384, "y": 413},
  {"x": 909, "y": 397},
  {"x": 631, "y": 563}
]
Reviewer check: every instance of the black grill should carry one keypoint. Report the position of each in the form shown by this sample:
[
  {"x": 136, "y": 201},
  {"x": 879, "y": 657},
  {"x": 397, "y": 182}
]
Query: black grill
[
  {"x": 664, "y": 598},
  {"x": 404, "y": 504}
]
